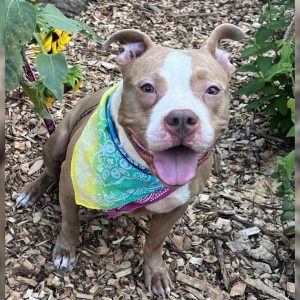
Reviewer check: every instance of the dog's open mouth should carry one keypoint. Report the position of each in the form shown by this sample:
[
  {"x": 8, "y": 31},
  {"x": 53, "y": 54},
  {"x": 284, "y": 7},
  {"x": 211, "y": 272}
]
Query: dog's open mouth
[{"x": 174, "y": 166}]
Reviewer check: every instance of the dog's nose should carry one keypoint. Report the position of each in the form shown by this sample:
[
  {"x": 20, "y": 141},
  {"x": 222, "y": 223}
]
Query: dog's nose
[{"x": 181, "y": 122}]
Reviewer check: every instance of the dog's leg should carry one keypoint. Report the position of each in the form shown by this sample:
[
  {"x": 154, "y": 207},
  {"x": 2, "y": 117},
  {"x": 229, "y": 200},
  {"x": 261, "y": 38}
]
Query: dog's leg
[
  {"x": 53, "y": 156},
  {"x": 156, "y": 275},
  {"x": 65, "y": 247}
]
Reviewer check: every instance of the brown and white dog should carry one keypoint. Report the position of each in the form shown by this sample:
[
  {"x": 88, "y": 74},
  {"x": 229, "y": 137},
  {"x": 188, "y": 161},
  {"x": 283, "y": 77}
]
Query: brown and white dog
[{"x": 169, "y": 111}]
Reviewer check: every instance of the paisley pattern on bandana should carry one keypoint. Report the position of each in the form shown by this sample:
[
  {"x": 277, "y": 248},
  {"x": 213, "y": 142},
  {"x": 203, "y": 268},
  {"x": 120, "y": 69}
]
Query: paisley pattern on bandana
[{"x": 103, "y": 177}]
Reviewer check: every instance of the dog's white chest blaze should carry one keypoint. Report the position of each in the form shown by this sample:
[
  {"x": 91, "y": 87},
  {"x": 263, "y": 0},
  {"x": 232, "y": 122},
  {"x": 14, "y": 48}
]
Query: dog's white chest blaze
[{"x": 179, "y": 197}]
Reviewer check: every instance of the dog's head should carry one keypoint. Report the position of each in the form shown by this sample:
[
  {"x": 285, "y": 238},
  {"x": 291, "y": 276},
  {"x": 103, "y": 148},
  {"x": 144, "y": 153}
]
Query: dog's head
[{"x": 175, "y": 103}]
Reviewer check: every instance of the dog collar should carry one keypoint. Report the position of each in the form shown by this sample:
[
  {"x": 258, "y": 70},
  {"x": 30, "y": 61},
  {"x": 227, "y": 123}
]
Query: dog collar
[
  {"x": 117, "y": 143},
  {"x": 104, "y": 176}
]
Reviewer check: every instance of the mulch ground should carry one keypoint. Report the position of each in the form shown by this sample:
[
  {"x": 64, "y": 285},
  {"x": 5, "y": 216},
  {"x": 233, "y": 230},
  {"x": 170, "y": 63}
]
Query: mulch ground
[{"x": 229, "y": 244}]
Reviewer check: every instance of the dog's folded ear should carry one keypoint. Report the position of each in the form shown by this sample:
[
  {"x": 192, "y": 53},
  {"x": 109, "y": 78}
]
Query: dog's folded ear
[
  {"x": 224, "y": 31},
  {"x": 133, "y": 42}
]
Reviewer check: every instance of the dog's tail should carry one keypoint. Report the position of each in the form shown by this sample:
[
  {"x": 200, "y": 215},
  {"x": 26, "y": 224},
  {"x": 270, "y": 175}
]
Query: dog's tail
[{"x": 224, "y": 31}]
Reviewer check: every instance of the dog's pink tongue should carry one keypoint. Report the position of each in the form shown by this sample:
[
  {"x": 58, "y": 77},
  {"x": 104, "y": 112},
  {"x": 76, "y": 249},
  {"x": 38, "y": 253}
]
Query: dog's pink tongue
[{"x": 176, "y": 166}]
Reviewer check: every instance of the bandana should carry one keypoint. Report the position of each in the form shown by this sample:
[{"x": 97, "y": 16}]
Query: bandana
[{"x": 104, "y": 176}]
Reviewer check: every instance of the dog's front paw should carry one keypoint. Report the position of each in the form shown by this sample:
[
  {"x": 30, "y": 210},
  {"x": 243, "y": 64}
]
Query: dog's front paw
[
  {"x": 28, "y": 195},
  {"x": 157, "y": 279},
  {"x": 64, "y": 257}
]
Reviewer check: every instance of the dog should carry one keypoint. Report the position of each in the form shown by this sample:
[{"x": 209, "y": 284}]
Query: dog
[{"x": 161, "y": 124}]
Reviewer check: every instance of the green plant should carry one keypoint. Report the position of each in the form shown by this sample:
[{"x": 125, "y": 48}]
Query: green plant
[
  {"x": 28, "y": 23},
  {"x": 286, "y": 189},
  {"x": 272, "y": 90},
  {"x": 272, "y": 61}
]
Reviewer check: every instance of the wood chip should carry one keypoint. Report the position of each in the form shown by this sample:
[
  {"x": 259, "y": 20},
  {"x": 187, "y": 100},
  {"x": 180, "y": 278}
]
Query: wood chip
[
  {"x": 194, "y": 292},
  {"x": 84, "y": 296},
  {"x": 123, "y": 273},
  {"x": 238, "y": 289},
  {"x": 250, "y": 231},
  {"x": 37, "y": 216},
  {"x": 20, "y": 146},
  {"x": 290, "y": 287},
  {"x": 180, "y": 262},
  {"x": 102, "y": 250},
  {"x": 28, "y": 281},
  {"x": 90, "y": 273},
  {"x": 35, "y": 167},
  {"x": 196, "y": 261},
  {"x": 107, "y": 65},
  {"x": 8, "y": 238},
  {"x": 203, "y": 285},
  {"x": 178, "y": 240},
  {"x": 259, "y": 285},
  {"x": 94, "y": 289},
  {"x": 28, "y": 265},
  {"x": 210, "y": 259}
]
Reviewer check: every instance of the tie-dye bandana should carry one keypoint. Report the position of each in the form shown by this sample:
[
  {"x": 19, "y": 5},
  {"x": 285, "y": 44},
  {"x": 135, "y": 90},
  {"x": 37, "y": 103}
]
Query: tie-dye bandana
[{"x": 104, "y": 176}]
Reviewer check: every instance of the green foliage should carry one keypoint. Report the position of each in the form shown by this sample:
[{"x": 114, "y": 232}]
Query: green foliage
[
  {"x": 19, "y": 26},
  {"x": 37, "y": 93},
  {"x": 273, "y": 66},
  {"x": 272, "y": 90},
  {"x": 53, "y": 70},
  {"x": 27, "y": 22},
  {"x": 74, "y": 76},
  {"x": 286, "y": 189},
  {"x": 20, "y": 23},
  {"x": 13, "y": 68},
  {"x": 55, "y": 18}
]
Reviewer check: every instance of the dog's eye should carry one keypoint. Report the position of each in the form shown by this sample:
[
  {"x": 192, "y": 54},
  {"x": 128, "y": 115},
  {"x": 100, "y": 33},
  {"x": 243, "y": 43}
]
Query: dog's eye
[
  {"x": 147, "y": 88},
  {"x": 212, "y": 90}
]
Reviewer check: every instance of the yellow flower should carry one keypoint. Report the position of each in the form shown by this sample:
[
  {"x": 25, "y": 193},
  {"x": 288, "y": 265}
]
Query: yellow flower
[
  {"x": 49, "y": 100},
  {"x": 47, "y": 41},
  {"x": 59, "y": 40},
  {"x": 55, "y": 41},
  {"x": 77, "y": 85}
]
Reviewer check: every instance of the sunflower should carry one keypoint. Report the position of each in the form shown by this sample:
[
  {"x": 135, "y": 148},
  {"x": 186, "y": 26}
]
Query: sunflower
[
  {"x": 55, "y": 41},
  {"x": 77, "y": 85},
  {"x": 49, "y": 101}
]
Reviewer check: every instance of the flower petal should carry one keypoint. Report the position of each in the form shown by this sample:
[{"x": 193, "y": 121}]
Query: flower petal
[
  {"x": 54, "y": 45},
  {"x": 58, "y": 32},
  {"x": 77, "y": 85},
  {"x": 49, "y": 101}
]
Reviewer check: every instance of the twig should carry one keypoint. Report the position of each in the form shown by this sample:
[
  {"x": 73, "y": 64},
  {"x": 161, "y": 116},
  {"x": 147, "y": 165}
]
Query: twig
[
  {"x": 91, "y": 251},
  {"x": 230, "y": 197},
  {"x": 259, "y": 285},
  {"x": 16, "y": 98},
  {"x": 220, "y": 253},
  {"x": 196, "y": 15},
  {"x": 270, "y": 138}
]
